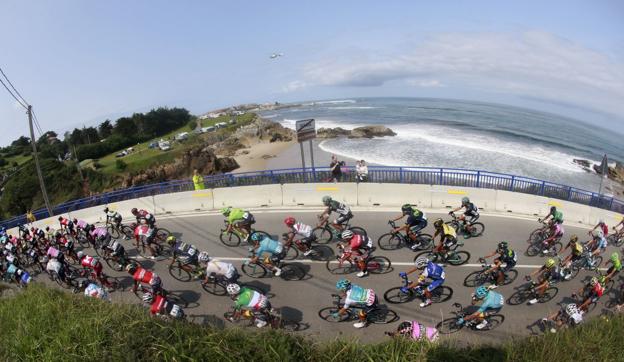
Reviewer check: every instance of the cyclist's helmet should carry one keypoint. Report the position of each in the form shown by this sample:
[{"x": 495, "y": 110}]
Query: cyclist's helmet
[
  {"x": 481, "y": 292},
  {"x": 106, "y": 209},
  {"x": 405, "y": 328},
  {"x": 134, "y": 211},
  {"x": 47, "y": 228},
  {"x": 346, "y": 235},
  {"x": 503, "y": 245},
  {"x": 438, "y": 223},
  {"x": 406, "y": 209},
  {"x": 2, "y": 229},
  {"x": 421, "y": 262},
  {"x": 171, "y": 240},
  {"x": 326, "y": 200},
  {"x": 75, "y": 221},
  {"x": 593, "y": 281},
  {"x": 226, "y": 211},
  {"x": 465, "y": 200},
  {"x": 131, "y": 268},
  {"x": 80, "y": 254},
  {"x": 600, "y": 222},
  {"x": 343, "y": 284},
  {"x": 256, "y": 237},
  {"x": 60, "y": 218},
  {"x": 57, "y": 235},
  {"x": 553, "y": 209},
  {"x": 599, "y": 234},
  {"x": 290, "y": 221},
  {"x": 571, "y": 309},
  {"x": 45, "y": 259},
  {"x": 550, "y": 263},
  {"x": 573, "y": 238},
  {"x": 204, "y": 257},
  {"x": 615, "y": 257},
  {"x": 233, "y": 289},
  {"x": 147, "y": 297}
]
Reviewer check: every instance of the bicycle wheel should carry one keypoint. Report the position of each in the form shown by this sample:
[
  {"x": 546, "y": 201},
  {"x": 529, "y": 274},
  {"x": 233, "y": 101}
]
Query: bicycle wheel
[
  {"x": 162, "y": 234},
  {"x": 291, "y": 253},
  {"x": 358, "y": 230},
  {"x": 83, "y": 241},
  {"x": 477, "y": 229},
  {"x": 510, "y": 276},
  {"x": 321, "y": 253},
  {"x": 424, "y": 241},
  {"x": 292, "y": 272},
  {"x": 113, "y": 231},
  {"x": 396, "y": 296},
  {"x": 519, "y": 297},
  {"x": 390, "y": 241},
  {"x": 381, "y": 316},
  {"x": 556, "y": 248},
  {"x": 458, "y": 257},
  {"x": 534, "y": 249},
  {"x": 288, "y": 325},
  {"x": 323, "y": 235},
  {"x": 230, "y": 239},
  {"x": 215, "y": 288},
  {"x": 441, "y": 294},
  {"x": 549, "y": 294},
  {"x": 536, "y": 235},
  {"x": 430, "y": 255},
  {"x": 178, "y": 273},
  {"x": 177, "y": 299},
  {"x": 597, "y": 262},
  {"x": 475, "y": 279},
  {"x": 379, "y": 265},
  {"x": 346, "y": 267},
  {"x": 327, "y": 314},
  {"x": 112, "y": 284},
  {"x": 494, "y": 321},
  {"x": 113, "y": 264},
  {"x": 254, "y": 270},
  {"x": 127, "y": 231},
  {"x": 449, "y": 326}
]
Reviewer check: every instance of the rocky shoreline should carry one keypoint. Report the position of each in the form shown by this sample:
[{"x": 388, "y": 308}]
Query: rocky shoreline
[{"x": 359, "y": 132}]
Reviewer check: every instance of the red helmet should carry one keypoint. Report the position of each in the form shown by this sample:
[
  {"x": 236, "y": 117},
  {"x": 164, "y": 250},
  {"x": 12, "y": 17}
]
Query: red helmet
[{"x": 290, "y": 221}]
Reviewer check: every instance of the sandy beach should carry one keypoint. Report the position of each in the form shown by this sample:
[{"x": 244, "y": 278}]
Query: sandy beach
[{"x": 257, "y": 156}]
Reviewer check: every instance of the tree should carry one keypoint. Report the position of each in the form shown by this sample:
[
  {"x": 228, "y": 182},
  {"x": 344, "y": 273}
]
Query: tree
[
  {"x": 125, "y": 127},
  {"x": 21, "y": 142},
  {"x": 90, "y": 135},
  {"x": 105, "y": 129},
  {"x": 76, "y": 137},
  {"x": 120, "y": 165}
]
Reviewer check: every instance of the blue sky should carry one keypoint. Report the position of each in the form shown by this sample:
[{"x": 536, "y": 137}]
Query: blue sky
[{"x": 80, "y": 62}]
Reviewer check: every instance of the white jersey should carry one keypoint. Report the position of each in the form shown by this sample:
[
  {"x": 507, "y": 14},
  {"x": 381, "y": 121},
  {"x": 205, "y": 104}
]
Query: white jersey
[
  {"x": 303, "y": 229},
  {"x": 95, "y": 291},
  {"x": 53, "y": 265},
  {"x": 220, "y": 268}
]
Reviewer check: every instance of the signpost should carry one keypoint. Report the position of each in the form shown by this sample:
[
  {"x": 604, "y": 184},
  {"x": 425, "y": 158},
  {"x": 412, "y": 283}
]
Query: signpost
[{"x": 306, "y": 131}]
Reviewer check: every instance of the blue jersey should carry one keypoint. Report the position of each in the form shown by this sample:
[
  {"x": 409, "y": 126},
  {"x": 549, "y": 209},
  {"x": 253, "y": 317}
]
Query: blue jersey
[
  {"x": 268, "y": 245},
  {"x": 434, "y": 271},
  {"x": 492, "y": 301}
]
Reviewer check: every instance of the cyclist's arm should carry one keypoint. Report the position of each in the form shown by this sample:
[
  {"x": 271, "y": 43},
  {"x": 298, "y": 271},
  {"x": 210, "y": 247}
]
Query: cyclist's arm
[
  {"x": 399, "y": 217},
  {"x": 411, "y": 271},
  {"x": 490, "y": 255},
  {"x": 457, "y": 209},
  {"x": 404, "y": 227}
]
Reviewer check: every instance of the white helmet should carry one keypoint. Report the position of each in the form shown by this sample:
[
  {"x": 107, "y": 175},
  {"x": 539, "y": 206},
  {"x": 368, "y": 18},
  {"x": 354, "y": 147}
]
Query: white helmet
[
  {"x": 346, "y": 235},
  {"x": 233, "y": 289},
  {"x": 600, "y": 221},
  {"x": 176, "y": 311},
  {"x": 147, "y": 297},
  {"x": 80, "y": 254},
  {"x": 421, "y": 262},
  {"x": 204, "y": 257},
  {"x": 599, "y": 234},
  {"x": 571, "y": 309}
]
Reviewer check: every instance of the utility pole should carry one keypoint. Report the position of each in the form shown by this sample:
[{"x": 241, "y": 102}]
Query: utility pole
[
  {"x": 77, "y": 162},
  {"x": 36, "y": 156}
]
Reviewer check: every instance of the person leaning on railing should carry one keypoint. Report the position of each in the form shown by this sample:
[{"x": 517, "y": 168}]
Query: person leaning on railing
[{"x": 361, "y": 170}]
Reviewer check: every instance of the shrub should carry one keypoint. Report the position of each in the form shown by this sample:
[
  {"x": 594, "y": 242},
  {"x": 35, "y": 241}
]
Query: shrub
[{"x": 120, "y": 165}]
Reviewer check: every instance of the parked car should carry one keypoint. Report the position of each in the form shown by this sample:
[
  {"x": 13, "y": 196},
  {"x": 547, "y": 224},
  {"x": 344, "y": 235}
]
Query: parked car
[
  {"x": 164, "y": 145},
  {"x": 221, "y": 125},
  {"x": 181, "y": 136},
  {"x": 207, "y": 129}
]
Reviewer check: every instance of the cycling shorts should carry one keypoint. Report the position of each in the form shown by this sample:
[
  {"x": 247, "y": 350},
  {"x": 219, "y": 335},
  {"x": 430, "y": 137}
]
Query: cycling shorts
[
  {"x": 343, "y": 218},
  {"x": 421, "y": 224},
  {"x": 434, "y": 284},
  {"x": 470, "y": 217}
]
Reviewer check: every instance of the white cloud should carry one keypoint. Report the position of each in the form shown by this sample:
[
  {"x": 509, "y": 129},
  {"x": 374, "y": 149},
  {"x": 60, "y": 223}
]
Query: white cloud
[
  {"x": 535, "y": 64},
  {"x": 293, "y": 86}
]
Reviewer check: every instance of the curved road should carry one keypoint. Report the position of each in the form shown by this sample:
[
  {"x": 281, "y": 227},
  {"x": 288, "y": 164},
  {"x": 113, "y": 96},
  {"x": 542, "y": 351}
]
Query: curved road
[{"x": 301, "y": 300}]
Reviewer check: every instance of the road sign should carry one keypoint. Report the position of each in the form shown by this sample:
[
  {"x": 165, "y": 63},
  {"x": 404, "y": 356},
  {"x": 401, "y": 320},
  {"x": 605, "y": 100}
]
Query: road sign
[{"x": 306, "y": 130}]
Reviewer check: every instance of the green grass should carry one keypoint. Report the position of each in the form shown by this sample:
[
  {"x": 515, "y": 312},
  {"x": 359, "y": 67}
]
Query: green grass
[
  {"x": 43, "y": 324},
  {"x": 20, "y": 159}
]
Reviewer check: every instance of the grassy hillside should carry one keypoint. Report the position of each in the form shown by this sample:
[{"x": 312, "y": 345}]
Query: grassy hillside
[{"x": 42, "y": 324}]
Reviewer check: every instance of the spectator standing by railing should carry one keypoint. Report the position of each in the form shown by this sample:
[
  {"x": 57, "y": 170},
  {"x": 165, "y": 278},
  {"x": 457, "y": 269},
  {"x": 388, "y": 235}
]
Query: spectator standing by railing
[
  {"x": 335, "y": 168},
  {"x": 198, "y": 180},
  {"x": 361, "y": 170}
]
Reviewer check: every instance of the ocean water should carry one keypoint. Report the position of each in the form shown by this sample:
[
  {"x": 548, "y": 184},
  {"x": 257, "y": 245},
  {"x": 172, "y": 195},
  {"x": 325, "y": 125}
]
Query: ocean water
[{"x": 464, "y": 134}]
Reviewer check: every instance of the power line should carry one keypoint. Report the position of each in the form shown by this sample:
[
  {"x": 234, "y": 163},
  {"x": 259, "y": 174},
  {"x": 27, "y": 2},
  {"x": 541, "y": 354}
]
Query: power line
[
  {"x": 11, "y": 84},
  {"x": 13, "y": 95},
  {"x": 37, "y": 123}
]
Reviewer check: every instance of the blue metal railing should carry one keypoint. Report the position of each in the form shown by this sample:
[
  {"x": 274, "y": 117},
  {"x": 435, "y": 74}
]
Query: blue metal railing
[{"x": 385, "y": 174}]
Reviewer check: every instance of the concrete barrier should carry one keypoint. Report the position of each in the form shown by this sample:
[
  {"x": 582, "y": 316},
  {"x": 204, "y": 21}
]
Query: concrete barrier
[
  {"x": 572, "y": 213},
  {"x": 248, "y": 196},
  {"x": 312, "y": 194},
  {"x": 450, "y": 197},
  {"x": 200, "y": 200},
  {"x": 519, "y": 203},
  {"x": 375, "y": 194},
  {"x": 609, "y": 217}
]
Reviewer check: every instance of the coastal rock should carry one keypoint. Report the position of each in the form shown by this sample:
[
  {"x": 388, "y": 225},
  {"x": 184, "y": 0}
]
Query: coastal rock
[
  {"x": 581, "y": 162},
  {"x": 266, "y": 157},
  {"x": 371, "y": 131},
  {"x": 332, "y": 132}
]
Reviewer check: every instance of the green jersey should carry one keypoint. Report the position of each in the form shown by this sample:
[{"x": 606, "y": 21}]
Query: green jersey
[
  {"x": 558, "y": 216},
  {"x": 250, "y": 299},
  {"x": 235, "y": 215}
]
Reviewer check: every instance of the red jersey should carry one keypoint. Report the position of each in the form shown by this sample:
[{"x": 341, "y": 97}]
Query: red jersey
[
  {"x": 605, "y": 229},
  {"x": 158, "y": 304},
  {"x": 598, "y": 289},
  {"x": 144, "y": 276},
  {"x": 357, "y": 242},
  {"x": 89, "y": 262},
  {"x": 65, "y": 222}
]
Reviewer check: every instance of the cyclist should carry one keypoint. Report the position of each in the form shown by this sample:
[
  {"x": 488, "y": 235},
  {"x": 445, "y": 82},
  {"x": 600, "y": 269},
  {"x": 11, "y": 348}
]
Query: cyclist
[
  {"x": 616, "y": 267},
  {"x": 250, "y": 301},
  {"x": 576, "y": 252},
  {"x": 430, "y": 270},
  {"x": 216, "y": 268},
  {"x": 567, "y": 315},
  {"x": 598, "y": 244},
  {"x": 547, "y": 273},
  {"x": 53, "y": 265},
  {"x": 141, "y": 275},
  {"x": 117, "y": 252},
  {"x": 160, "y": 306},
  {"x": 621, "y": 223},
  {"x": 65, "y": 243},
  {"x": 300, "y": 229},
  {"x": 239, "y": 219},
  {"x": 89, "y": 262},
  {"x": 448, "y": 237},
  {"x": 505, "y": 255},
  {"x": 146, "y": 235},
  {"x": 343, "y": 211},
  {"x": 557, "y": 216},
  {"x": 66, "y": 225},
  {"x": 3, "y": 231},
  {"x": 471, "y": 211},
  {"x": 185, "y": 254},
  {"x": 113, "y": 217},
  {"x": 591, "y": 292},
  {"x": 416, "y": 221},
  {"x": 143, "y": 217},
  {"x": 81, "y": 225},
  {"x": 263, "y": 244},
  {"x": 99, "y": 236},
  {"x": 556, "y": 233},
  {"x": 360, "y": 246},
  {"x": 93, "y": 290},
  {"x": 57, "y": 254},
  {"x": 600, "y": 226},
  {"x": 416, "y": 331},
  {"x": 492, "y": 302},
  {"x": 23, "y": 277},
  {"x": 363, "y": 299}
]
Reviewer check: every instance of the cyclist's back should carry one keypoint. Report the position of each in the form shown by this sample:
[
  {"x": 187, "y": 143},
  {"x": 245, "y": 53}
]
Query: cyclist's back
[{"x": 493, "y": 300}]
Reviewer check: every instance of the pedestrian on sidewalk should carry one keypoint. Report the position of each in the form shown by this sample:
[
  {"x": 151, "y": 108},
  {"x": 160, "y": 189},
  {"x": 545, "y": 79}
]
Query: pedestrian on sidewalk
[
  {"x": 335, "y": 168},
  {"x": 198, "y": 180},
  {"x": 361, "y": 170}
]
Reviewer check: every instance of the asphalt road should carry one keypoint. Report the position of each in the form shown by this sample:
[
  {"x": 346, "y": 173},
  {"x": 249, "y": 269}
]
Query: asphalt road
[{"x": 301, "y": 300}]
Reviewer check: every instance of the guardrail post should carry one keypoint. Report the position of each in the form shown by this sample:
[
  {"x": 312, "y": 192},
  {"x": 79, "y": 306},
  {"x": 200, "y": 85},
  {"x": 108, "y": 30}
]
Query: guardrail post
[
  {"x": 513, "y": 180},
  {"x": 611, "y": 204},
  {"x": 478, "y": 178},
  {"x": 569, "y": 193},
  {"x": 542, "y": 189},
  {"x": 440, "y": 181},
  {"x": 401, "y": 174}
]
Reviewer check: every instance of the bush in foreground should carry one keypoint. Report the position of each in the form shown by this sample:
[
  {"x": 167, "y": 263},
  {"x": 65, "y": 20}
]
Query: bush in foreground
[{"x": 43, "y": 324}]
